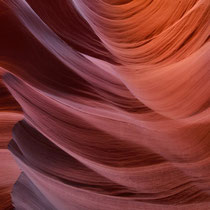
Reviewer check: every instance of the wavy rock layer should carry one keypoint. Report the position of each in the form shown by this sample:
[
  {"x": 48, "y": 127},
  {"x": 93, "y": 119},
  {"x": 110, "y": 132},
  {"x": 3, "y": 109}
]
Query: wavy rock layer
[
  {"x": 10, "y": 113},
  {"x": 115, "y": 96}
]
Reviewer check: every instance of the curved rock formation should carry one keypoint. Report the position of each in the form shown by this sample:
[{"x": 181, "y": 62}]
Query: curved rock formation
[{"x": 115, "y": 102}]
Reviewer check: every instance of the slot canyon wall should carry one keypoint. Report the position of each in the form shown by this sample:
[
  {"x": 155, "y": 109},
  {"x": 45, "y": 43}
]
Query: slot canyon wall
[{"x": 104, "y": 104}]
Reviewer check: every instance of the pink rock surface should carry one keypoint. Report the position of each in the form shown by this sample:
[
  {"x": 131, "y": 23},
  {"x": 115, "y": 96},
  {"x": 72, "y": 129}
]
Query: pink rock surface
[{"x": 115, "y": 104}]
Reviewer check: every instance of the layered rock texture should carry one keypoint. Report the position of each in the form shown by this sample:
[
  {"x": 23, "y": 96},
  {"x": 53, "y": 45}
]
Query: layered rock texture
[{"x": 109, "y": 100}]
